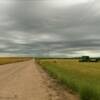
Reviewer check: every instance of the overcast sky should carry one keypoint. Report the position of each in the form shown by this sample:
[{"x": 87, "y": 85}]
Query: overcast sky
[{"x": 58, "y": 28}]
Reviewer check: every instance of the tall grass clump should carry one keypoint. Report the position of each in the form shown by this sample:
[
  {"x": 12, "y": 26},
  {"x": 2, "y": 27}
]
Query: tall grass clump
[{"x": 89, "y": 93}]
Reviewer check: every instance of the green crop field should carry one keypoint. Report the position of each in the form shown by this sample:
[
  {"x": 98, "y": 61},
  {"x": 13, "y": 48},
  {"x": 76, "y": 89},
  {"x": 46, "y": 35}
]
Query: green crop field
[{"x": 82, "y": 77}]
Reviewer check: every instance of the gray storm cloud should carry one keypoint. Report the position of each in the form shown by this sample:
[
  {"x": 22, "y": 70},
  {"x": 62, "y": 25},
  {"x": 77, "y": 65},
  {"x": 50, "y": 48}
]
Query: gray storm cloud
[{"x": 50, "y": 28}]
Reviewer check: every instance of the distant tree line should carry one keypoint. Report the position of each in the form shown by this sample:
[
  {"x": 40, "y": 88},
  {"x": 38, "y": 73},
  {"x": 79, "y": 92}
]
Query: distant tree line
[{"x": 88, "y": 59}]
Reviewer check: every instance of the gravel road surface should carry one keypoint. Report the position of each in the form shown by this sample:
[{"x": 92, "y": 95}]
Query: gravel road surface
[{"x": 26, "y": 81}]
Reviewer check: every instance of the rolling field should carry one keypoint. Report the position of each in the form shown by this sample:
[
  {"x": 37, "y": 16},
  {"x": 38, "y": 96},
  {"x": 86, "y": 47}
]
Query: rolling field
[
  {"x": 7, "y": 60},
  {"x": 81, "y": 77}
]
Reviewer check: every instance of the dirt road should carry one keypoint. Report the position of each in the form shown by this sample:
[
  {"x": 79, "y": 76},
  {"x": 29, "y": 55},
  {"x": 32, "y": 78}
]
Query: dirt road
[{"x": 25, "y": 81}]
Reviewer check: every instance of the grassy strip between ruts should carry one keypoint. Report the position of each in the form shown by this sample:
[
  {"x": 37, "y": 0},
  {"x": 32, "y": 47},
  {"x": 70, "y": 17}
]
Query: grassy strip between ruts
[{"x": 83, "y": 78}]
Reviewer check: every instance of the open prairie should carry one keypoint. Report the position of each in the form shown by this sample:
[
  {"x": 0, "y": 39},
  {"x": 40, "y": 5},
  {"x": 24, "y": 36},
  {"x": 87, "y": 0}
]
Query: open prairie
[
  {"x": 80, "y": 77},
  {"x": 6, "y": 60}
]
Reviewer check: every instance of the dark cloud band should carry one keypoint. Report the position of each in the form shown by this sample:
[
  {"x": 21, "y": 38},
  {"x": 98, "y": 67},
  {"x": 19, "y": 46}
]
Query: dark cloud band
[{"x": 34, "y": 27}]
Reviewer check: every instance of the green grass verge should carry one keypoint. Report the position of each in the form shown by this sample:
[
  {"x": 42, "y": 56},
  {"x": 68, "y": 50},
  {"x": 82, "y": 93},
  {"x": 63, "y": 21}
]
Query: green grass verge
[{"x": 83, "y": 78}]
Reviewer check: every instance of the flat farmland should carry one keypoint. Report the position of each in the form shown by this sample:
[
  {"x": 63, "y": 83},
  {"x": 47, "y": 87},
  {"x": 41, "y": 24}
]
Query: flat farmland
[
  {"x": 7, "y": 60},
  {"x": 80, "y": 77}
]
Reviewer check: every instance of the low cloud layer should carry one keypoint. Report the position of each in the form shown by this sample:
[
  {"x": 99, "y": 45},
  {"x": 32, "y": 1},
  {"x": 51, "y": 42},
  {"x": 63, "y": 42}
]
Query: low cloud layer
[{"x": 60, "y": 28}]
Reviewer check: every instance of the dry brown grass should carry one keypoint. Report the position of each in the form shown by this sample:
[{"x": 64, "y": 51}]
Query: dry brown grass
[{"x": 7, "y": 60}]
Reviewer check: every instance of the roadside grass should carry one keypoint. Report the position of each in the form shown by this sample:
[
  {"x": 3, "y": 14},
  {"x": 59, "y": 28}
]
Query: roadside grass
[
  {"x": 83, "y": 78},
  {"x": 7, "y": 60}
]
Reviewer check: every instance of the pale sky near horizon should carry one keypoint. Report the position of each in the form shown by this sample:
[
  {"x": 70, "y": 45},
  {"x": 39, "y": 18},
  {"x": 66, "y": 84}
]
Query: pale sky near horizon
[{"x": 55, "y": 28}]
